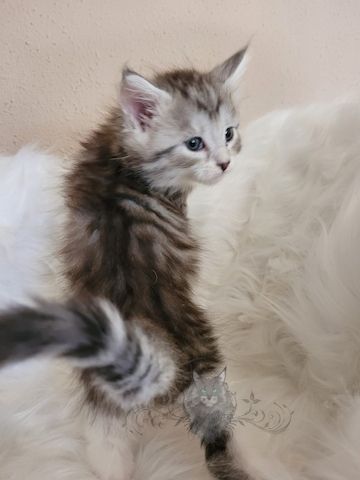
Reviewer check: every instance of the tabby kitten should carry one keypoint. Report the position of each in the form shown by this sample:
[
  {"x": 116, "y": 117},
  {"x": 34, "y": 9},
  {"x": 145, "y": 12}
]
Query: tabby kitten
[{"x": 131, "y": 325}]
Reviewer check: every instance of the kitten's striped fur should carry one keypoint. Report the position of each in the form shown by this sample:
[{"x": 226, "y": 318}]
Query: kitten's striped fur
[{"x": 132, "y": 327}]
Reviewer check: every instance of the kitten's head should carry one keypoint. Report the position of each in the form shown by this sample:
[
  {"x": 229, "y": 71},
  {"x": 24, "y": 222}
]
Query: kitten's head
[{"x": 183, "y": 124}]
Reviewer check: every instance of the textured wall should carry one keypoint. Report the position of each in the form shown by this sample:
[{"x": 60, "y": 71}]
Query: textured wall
[{"x": 60, "y": 60}]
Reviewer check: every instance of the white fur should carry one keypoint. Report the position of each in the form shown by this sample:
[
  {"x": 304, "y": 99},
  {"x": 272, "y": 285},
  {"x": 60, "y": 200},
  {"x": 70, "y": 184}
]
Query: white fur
[
  {"x": 31, "y": 209},
  {"x": 280, "y": 277},
  {"x": 284, "y": 294}
]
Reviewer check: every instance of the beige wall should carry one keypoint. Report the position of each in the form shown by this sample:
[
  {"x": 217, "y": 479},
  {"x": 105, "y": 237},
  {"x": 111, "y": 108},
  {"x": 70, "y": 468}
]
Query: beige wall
[{"x": 60, "y": 59}]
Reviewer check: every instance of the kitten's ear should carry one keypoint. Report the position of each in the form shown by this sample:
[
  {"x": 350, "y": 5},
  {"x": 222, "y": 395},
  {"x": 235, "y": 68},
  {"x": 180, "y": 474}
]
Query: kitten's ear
[
  {"x": 140, "y": 100},
  {"x": 230, "y": 72},
  {"x": 222, "y": 375}
]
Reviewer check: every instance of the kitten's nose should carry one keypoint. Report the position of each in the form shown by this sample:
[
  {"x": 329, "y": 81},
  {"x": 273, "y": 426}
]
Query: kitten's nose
[{"x": 224, "y": 165}]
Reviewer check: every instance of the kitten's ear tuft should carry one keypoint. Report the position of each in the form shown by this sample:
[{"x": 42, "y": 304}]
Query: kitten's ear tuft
[
  {"x": 140, "y": 100},
  {"x": 222, "y": 375},
  {"x": 231, "y": 71}
]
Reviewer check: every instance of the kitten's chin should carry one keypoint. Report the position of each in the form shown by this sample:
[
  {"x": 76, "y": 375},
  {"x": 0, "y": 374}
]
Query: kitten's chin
[{"x": 213, "y": 180}]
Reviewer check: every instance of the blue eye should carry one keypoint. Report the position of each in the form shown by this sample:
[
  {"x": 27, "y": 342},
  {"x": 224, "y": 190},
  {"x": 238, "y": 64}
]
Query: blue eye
[
  {"x": 229, "y": 134},
  {"x": 195, "y": 144}
]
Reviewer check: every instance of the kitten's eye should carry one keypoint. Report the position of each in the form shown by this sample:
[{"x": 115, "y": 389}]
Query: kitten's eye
[
  {"x": 229, "y": 134},
  {"x": 195, "y": 144}
]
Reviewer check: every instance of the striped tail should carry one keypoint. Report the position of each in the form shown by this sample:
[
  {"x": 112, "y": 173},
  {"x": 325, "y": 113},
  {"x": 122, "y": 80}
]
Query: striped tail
[{"x": 125, "y": 361}]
